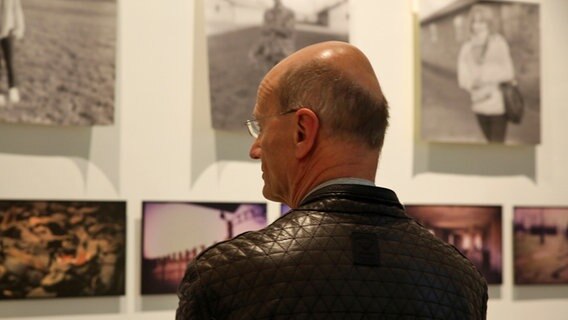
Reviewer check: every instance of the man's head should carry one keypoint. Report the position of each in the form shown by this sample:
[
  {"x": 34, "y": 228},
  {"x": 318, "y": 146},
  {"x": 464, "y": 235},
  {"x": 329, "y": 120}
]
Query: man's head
[
  {"x": 322, "y": 116},
  {"x": 482, "y": 20}
]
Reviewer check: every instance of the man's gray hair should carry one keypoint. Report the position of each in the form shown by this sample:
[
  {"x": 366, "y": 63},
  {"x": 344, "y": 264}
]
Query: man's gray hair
[{"x": 343, "y": 107}]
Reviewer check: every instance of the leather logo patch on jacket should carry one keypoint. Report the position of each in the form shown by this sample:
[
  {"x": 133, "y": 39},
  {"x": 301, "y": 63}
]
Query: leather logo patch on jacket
[{"x": 365, "y": 248}]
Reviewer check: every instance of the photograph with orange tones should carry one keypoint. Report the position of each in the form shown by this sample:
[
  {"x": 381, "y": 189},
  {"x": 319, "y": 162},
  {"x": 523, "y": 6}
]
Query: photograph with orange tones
[{"x": 52, "y": 249}]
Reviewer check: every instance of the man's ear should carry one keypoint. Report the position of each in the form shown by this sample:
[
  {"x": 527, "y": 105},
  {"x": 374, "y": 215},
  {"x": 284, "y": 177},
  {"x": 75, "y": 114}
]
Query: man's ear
[{"x": 306, "y": 131}]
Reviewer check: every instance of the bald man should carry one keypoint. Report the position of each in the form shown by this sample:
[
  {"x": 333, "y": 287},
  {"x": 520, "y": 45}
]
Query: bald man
[{"x": 346, "y": 250}]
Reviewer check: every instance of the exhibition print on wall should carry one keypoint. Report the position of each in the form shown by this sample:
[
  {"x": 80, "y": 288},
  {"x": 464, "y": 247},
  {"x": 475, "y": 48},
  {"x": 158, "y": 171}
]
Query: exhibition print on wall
[
  {"x": 52, "y": 249},
  {"x": 474, "y": 230},
  {"x": 473, "y": 55},
  {"x": 174, "y": 233},
  {"x": 245, "y": 38},
  {"x": 58, "y": 60},
  {"x": 541, "y": 245}
]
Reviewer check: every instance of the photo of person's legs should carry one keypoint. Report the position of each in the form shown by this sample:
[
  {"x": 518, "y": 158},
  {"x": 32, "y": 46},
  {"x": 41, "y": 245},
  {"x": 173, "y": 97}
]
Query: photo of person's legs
[
  {"x": 7, "y": 45},
  {"x": 3, "y": 65},
  {"x": 493, "y": 127}
]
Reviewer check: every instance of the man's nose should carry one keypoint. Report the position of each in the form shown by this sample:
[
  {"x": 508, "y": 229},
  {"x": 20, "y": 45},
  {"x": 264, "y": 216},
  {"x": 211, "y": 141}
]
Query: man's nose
[{"x": 254, "y": 151}]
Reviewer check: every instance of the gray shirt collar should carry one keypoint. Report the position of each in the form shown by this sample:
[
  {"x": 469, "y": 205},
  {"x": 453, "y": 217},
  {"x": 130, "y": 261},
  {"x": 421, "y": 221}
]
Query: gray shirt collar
[{"x": 358, "y": 181}]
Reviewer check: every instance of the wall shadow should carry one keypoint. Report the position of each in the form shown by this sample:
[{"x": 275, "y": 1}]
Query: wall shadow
[
  {"x": 59, "y": 307},
  {"x": 540, "y": 292},
  {"x": 208, "y": 145},
  {"x": 83, "y": 145},
  {"x": 164, "y": 302},
  {"x": 233, "y": 146},
  {"x": 46, "y": 141},
  {"x": 485, "y": 160},
  {"x": 201, "y": 138},
  {"x": 494, "y": 291},
  {"x": 33, "y": 140}
]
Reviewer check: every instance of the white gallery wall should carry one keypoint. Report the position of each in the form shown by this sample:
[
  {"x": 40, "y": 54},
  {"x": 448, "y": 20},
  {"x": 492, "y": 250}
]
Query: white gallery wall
[{"x": 163, "y": 148}]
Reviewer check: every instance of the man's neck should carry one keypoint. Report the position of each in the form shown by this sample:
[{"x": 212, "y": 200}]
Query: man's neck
[
  {"x": 336, "y": 160},
  {"x": 347, "y": 180}
]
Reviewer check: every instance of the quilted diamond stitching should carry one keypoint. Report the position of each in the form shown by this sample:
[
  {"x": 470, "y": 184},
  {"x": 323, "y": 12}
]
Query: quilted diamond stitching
[{"x": 302, "y": 267}]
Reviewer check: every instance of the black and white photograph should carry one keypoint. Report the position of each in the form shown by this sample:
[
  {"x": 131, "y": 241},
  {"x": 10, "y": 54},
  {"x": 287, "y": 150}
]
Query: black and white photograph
[
  {"x": 246, "y": 38},
  {"x": 541, "y": 245},
  {"x": 52, "y": 249},
  {"x": 58, "y": 62},
  {"x": 474, "y": 230},
  {"x": 174, "y": 233},
  {"x": 480, "y": 72}
]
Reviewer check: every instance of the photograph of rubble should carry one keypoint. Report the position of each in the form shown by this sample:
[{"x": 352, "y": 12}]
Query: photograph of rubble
[{"x": 52, "y": 249}]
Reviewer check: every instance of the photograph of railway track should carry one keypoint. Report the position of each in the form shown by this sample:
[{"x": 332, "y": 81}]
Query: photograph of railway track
[
  {"x": 175, "y": 233},
  {"x": 541, "y": 245}
]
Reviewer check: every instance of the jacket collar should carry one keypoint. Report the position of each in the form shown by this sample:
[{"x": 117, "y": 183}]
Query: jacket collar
[{"x": 356, "y": 193}]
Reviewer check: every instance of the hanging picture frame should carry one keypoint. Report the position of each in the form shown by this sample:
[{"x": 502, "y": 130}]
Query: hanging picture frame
[{"x": 175, "y": 233}]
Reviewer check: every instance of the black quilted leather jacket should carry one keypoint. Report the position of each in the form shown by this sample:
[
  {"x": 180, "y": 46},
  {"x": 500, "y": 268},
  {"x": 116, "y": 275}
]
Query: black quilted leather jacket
[{"x": 348, "y": 252}]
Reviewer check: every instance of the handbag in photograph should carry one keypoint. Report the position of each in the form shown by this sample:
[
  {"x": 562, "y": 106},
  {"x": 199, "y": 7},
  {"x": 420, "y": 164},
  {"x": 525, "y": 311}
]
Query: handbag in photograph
[{"x": 514, "y": 104}]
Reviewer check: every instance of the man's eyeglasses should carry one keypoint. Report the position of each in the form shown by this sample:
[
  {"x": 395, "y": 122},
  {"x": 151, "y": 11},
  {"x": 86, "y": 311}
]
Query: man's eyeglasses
[{"x": 253, "y": 126}]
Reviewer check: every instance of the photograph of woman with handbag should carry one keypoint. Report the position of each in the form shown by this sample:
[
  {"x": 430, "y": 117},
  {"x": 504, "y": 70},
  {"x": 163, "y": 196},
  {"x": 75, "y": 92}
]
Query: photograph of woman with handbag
[
  {"x": 484, "y": 62},
  {"x": 480, "y": 76}
]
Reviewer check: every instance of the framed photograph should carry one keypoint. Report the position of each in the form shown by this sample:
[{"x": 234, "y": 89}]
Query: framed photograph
[
  {"x": 480, "y": 71},
  {"x": 51, "y": 249},
  {"x": 474, "y": 230},
  {"x": 58, "y": 60},
  {"x": 245, "y": 38},
  {"x": 541, "y": 245},
  {"x": 174, "y": 233}
]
